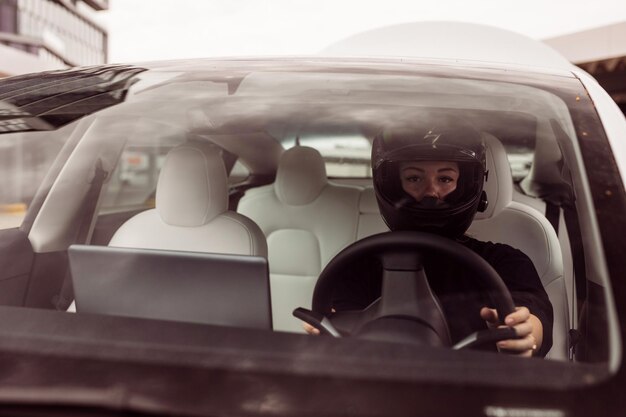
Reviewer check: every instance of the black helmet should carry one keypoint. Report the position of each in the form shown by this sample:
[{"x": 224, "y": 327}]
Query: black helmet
[{"x": 454, "y": 142}]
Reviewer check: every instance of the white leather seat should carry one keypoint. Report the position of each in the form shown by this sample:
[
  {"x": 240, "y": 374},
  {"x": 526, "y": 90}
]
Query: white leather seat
[
  {"x": 370, "y": 220},
  {"x": 524, "y": 228},
  {"x": 191, "y": 212},
  {"x": 307, "y": 221}
]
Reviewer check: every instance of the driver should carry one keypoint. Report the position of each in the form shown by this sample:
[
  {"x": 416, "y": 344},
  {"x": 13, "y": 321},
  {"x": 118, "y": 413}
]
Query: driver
[{"x": 431, "y": 180}]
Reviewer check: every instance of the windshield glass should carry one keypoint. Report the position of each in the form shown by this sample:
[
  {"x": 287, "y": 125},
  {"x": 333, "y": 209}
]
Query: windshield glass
[{"x": 308, "y": 159}]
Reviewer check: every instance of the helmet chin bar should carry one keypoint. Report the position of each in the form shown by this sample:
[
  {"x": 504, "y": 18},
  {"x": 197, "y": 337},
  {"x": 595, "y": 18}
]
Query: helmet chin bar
[
  {"x": 432, "y": 203},
  {"x": 445, "y": 219}
]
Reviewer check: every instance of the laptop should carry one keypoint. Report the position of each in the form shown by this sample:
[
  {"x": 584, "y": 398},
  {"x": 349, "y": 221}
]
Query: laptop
[{"x": 208, "y": 288}]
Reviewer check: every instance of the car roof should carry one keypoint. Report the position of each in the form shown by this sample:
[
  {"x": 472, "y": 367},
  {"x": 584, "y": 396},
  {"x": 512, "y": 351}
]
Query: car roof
[{"x": 458, "y": 41}]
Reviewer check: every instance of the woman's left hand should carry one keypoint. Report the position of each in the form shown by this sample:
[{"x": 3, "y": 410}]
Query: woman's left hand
[{"x": 527, "y": 326}]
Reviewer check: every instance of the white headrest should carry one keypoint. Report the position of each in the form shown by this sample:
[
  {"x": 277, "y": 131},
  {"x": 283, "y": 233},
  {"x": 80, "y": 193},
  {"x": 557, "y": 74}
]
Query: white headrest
[
  {"x": 499, "y": 184},
  {"x": 301, "y": 176},
  {"x": 192, "y": 187}
]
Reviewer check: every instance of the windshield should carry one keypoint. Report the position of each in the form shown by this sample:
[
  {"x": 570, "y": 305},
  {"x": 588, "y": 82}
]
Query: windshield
[{"x": 308, "y": 159}]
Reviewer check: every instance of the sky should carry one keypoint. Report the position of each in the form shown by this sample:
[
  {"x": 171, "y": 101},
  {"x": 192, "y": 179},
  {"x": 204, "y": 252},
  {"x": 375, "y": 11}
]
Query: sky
[{"x": 146, "y": 30}]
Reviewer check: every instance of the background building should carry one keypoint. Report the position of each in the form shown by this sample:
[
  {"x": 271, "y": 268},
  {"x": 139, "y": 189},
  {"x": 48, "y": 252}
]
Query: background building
[
  {"x": 602, "y": 53},
  {"x": 37, "y": 35}
]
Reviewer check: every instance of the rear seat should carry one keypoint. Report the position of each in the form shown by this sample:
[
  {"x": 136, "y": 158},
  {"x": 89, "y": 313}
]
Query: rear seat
[
  {"x": 302, "y": 239},
  {"x": 307, "y": 221},
  {"x": 370, "y": 220}
]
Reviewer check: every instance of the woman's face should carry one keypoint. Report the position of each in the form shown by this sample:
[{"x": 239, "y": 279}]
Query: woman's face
[{"x": 434, "y": 179}]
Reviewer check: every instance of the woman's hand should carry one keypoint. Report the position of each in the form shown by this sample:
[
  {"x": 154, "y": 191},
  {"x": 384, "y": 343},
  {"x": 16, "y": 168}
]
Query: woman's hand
[
  {"x": 527, "y": 326},
  {"x": 310, "y": 329}
]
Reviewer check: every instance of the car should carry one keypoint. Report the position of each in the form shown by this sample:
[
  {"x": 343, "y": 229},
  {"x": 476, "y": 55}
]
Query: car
[{"x": 167, "y": 226}]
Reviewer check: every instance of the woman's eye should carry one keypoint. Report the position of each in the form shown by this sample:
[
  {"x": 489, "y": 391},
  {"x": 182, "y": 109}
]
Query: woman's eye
[
  {"x": 446, "y": 180},
  {"x": 413, "y": 178}
]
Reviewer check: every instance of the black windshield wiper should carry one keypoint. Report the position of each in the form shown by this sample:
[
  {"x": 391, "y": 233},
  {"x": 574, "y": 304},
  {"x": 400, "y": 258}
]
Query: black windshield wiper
[{"x": 49, "y": 100}]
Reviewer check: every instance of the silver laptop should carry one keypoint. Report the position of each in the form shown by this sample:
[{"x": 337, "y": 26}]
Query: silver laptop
[{"x": 231, "y": 290}]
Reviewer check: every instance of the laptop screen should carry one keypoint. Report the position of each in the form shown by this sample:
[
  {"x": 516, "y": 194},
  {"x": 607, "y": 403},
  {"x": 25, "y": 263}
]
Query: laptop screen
[{"x": 220, "y": 289}]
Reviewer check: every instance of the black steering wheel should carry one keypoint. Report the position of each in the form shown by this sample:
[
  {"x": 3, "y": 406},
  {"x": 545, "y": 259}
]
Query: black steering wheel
[{"x": 407, "y": 310}]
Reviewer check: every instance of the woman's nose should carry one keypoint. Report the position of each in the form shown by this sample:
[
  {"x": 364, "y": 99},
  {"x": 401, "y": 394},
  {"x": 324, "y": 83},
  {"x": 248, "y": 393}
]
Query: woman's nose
[{"x": 431, "y": 189}]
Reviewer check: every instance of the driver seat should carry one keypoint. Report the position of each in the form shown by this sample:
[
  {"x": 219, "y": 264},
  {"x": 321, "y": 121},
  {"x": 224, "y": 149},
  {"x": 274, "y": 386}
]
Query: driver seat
[{"x": 524, "y": 228}]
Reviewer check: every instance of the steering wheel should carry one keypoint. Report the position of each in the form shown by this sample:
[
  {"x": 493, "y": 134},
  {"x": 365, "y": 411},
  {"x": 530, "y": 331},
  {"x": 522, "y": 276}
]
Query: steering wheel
[{"x": 407, "y": 310}]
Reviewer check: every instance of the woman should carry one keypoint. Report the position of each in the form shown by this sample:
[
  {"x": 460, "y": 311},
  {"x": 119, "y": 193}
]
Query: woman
[{"x": 431, "y": 180}]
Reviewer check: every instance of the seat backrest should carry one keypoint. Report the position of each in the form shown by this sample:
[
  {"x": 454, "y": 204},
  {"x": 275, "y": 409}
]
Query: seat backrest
[
  {"x": 191, "y": 211},
  {"x": 307, "y": 220},
  {"x": 524, "y": 228},
  {"x": 370, "y": 220}
]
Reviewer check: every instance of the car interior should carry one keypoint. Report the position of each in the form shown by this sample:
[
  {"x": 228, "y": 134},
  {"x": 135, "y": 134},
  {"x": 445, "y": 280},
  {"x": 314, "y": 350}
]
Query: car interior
[
  {"x": 296, "y": 192},
  {"x": 302, "y": 219}
]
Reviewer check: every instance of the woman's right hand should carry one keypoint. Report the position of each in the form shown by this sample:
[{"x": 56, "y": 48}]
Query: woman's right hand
[{"x": 527, "y": 327}]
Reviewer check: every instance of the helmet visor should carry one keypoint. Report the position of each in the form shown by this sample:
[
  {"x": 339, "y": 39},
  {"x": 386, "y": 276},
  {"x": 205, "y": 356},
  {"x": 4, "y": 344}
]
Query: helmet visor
[{"x": 430, "y": 185}]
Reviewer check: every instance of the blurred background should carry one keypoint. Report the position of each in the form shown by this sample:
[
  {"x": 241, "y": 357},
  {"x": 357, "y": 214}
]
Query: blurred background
[{"x": 38, "y": 35}]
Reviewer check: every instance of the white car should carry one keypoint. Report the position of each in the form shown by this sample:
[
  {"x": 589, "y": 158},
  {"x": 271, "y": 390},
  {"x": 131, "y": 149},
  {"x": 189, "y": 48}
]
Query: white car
[{"x": 161, "y": 222}]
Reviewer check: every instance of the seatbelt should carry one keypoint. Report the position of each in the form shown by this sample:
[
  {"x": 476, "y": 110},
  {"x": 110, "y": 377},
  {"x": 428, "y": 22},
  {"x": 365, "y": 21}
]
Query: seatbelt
[
  {"x": 573, "y": 230},
  {"x": 576, "y": 243},
  {"x": 578, "y": 260},
  {"x": 553, "y": 214},
  {"x": 65, "y": 297}
]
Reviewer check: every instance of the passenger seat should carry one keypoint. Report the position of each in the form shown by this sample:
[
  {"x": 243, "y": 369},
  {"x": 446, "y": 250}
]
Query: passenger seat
[{"x": 191, "y": 212}]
